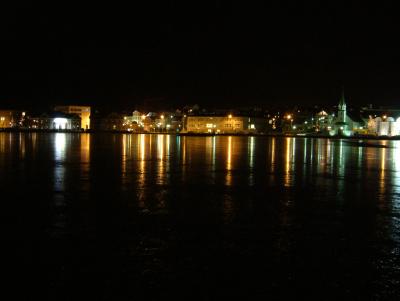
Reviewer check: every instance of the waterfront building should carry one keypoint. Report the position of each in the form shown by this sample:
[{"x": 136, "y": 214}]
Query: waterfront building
[
  {"x": 11, "y": 118},
  {"x": 134, "y": 122},
  {"x": 323, "y": 121},
  {"x": 135, "y": 118},
  {"x": 384, "y": 126},
  {"x": 383, "y": 121},
  {"x": 345, "y": 124},
  {"x": 82, "y": 111},
  {"x": 54, "y": 121},
  {"x": 6, "y": 119},
  {"x": 224, "y": 124}
]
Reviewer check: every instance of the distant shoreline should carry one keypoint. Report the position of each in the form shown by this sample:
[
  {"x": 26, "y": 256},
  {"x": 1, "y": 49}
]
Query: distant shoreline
[{"x": 281, "y": 135}]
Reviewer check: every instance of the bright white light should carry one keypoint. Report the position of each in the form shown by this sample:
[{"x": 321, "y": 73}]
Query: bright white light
[
  {"x": 252, "y": 126},
  {"x": 60, "y": 123}
]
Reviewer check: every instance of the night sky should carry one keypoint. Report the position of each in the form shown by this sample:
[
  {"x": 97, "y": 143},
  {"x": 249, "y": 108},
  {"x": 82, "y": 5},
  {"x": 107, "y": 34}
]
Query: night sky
[{"x": 212, "y": 53}]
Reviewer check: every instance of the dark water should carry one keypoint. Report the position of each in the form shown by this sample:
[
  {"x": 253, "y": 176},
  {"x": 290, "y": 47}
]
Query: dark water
[{"x": 150, "y": 217}]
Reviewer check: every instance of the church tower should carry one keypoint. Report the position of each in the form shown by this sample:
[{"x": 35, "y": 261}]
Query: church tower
[{"x": 342, "y": 109}]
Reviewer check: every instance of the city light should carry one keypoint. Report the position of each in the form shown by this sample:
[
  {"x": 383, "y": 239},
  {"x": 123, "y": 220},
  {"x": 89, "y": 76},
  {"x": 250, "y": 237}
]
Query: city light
[
  {"x": 230, "y": 116},
  {"x": 60, "y": 123}
]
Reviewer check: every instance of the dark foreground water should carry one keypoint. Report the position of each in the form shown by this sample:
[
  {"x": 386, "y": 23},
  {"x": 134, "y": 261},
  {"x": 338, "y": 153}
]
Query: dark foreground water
[{"x": 151, "y": 217}]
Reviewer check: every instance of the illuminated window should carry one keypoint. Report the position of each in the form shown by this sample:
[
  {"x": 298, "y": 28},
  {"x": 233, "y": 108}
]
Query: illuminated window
[{"x": 209, "y": 125}]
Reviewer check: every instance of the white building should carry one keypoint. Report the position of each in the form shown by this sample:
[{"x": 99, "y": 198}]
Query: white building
[{"x": 384, "y": 126}]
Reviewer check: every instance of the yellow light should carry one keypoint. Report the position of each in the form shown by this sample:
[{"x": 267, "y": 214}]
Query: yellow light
[
  {"x": 143, "y": 116},
  {"x": 162, "y": 116},
  {"x": 289, "y": 117},
  {"x": 230, "y": 115},
  {"x": 384, "y": 116}
]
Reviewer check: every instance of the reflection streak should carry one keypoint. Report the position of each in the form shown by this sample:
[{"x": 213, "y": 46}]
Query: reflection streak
[{"x": 228, "y": 180}]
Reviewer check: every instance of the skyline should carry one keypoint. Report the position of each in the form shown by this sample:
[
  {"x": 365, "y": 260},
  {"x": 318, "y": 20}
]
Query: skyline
[{"x": 220, "y": 54}]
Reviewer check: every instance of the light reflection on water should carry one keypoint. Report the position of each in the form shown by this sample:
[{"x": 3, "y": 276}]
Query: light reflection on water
[
  {"x": 59, "y": 159},
  {"x": 221, "y": 179},
  {"x": 287, "y": 158}
]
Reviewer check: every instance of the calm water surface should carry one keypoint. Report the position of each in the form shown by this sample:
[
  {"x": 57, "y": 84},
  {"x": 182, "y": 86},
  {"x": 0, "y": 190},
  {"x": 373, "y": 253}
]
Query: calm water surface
[{"x": 149, "y": 217}]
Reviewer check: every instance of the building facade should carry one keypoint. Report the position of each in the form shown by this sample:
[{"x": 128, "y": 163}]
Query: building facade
[
  {"x": 54, "y": 121},
  {"x": 384, "y": 126},
  {"x": 11, "y": 118},
  {"x": 82, "y": 111},
  {"x": 343, "y": 124},
  {"x": 224, "y": 124}
]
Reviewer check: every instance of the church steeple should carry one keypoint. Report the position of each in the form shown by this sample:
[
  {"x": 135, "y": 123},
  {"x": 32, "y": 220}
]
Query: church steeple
[
  {"x": 342, "y": 102},
  {"x": 342, "y": 108}
]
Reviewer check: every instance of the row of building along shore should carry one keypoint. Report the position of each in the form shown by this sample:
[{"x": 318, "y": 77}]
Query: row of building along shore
[{"x": 337, "y": 121}]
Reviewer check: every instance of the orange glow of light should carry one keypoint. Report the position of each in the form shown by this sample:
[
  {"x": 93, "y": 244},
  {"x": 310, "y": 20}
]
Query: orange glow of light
[{"x": 230, "y": 115}]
